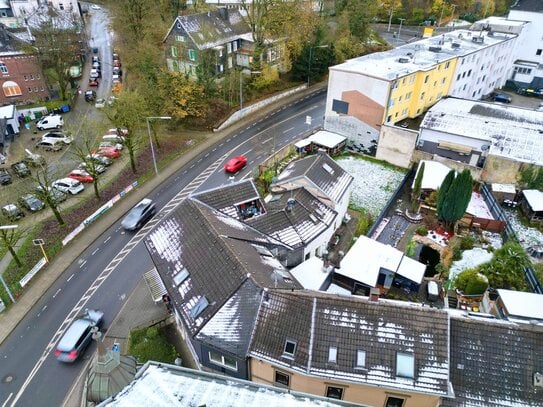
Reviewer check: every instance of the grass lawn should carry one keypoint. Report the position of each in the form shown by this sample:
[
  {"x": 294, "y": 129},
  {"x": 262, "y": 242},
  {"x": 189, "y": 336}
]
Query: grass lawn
[{"x": 151, "y": 344}]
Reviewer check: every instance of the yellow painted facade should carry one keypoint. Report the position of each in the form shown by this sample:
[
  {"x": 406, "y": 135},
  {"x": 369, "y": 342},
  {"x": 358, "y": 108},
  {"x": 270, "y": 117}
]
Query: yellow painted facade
[
  {"x": 413, "y": 94},
  {"x": 264, "y": 372}
]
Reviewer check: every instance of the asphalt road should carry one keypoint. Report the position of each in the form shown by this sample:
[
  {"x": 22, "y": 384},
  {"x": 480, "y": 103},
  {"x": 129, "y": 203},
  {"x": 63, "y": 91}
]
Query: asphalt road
[{"x": 109, "y": 269}]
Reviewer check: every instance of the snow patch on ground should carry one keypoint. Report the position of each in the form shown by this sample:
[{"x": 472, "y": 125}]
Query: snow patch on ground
[
  {"x": 374, "y": 183},
  {"x": 470, "y": 259},
  {"x": 527, "y": 236}
]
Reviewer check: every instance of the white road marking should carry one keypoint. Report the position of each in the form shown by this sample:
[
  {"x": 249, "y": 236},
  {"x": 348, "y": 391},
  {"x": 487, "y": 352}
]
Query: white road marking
[
  {"x": 7, "y": 400},
  {"x": 82, "y": 264},
  {"x": 107, "y": 240},
  {"x": 94, "y": 252},
  {"x": 268, "y": 139},
  {"x": 57, "y": 292},
  {"x": 287, "y": 130},
  {"x": 69, "y": 278},
  {"x": 247, "y": 152}
]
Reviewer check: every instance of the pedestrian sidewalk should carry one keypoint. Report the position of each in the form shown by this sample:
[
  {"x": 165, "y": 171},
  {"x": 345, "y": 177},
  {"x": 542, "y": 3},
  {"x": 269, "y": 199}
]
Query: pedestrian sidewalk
[{"x": 39, "y": 285}]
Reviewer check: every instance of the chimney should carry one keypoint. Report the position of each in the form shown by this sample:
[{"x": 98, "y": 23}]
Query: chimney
[
  {"x": 290, "y": 204},
  {"x": 374, "y": 294},
  {"x": 223, "y": 12}
]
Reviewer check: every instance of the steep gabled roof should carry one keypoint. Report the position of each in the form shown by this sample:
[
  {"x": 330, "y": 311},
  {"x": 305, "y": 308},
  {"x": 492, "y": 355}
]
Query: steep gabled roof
[
  {"x": 320, "y": 171},
  {"x": 208, "y": 30},
  {"x": 206, "y": 257},
  {"x": 493, "y": 363},
  {"x": 294, "y": 218},
  {"x": 317, "y": 322},
  {"x": 224, "y": 198}
]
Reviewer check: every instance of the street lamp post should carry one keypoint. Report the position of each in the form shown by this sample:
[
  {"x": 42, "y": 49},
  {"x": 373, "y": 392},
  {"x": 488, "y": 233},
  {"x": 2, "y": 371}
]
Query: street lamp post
[
  {"x": 400, "y": 29},
  {"x": 452, "y": 15},
  {"x": 2, "y": 228},
  {"x": 441, "y": 15},
  {"x": 150, "y": 140},
  {"x": 391, "y": 12},
  {"x": 309, "y": 63}
]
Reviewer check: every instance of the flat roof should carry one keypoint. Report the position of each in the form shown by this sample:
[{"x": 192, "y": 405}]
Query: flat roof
[
  {"x": 367, "y": 256},
  {"x": 322, "y": 137},
  {"x": 478, "y": 207},
  {"x": 534, "y": 198},
  {"x": 310, "y": 273},
  {"x": 434, "y": 174},
  {"x": 419, "y": 57},
  {"x": 511, "y": 132},
  {"x": 160, "y": 384},
  {"x": 522, "y": 304},
  {"x": 506, "y": 188}
]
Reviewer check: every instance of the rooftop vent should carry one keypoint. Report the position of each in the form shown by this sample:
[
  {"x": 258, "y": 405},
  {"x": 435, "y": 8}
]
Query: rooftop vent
[
  {"x": 403, "y": 60},
  {"x": 435, "y": 49},
  {"x": 538, "y": 379},
  {"x": 491, "y": 34},
  {"x": 478, "y": 40},
  {"x": 460, "y": 36},
  {"x": 290, "y": 204},
  {"x": 374, "y": 294},
  {"x": 455, "y": 45}
]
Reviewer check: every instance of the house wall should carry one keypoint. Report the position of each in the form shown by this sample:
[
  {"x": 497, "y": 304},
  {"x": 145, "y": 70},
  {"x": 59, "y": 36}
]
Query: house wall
[
  {"x": 361, "y": 137},
  {"x": 23, "y": 80},
  {"x": 438, "y": 136},
  {"x": 396, "y": 145},
  {"x": 320, "y": 243},
  {"x": 264, "y": 372},
  {"x": 532, "y": 41},
  {"x": 476, "y": 172},
  {"x": 240, "y": 373},
  {"x": 500, "y": 170}
]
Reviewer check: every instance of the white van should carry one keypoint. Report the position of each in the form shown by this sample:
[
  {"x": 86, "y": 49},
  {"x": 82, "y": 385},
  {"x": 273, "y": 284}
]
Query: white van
[
  {"x": 433, "y": 291},
  {"x": 50, "y": 122}
]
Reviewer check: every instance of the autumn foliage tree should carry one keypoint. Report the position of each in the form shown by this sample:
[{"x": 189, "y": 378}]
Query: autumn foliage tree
[{"x": 181, "y": 96}]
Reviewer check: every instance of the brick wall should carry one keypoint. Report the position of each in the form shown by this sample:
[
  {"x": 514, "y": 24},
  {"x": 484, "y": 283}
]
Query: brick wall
[{"x": 23, "y": 82}]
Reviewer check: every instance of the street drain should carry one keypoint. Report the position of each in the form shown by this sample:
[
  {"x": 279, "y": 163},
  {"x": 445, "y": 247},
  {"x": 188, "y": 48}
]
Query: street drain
[{"x": 8, "y": 379}]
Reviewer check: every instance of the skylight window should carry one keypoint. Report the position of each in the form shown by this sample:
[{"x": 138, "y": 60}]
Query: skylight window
[
  {"x": 181, "y": 276},
  {"x": 290, "y": 348},
  {"x": 332, "y": 354},
  {"x": 405, "y": 365},
  {"x": 360, "y": 359},
  {"x": 314, "y": 219},
  {"x": 328, "y": 169},
  {"x": 199, "y": 307}
]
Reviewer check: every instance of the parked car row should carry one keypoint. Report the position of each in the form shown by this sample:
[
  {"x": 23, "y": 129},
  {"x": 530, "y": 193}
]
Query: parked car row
[{"x": 54, "y": 140}]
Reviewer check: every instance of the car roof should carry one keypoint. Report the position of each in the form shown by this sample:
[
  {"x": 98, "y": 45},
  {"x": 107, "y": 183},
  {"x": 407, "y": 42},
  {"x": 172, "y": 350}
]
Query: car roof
[
  {"x": 66, "y": 180},
  {"x": 72, "y": 334}
]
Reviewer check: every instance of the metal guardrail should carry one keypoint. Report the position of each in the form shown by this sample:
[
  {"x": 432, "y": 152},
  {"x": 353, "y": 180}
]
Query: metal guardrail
[
  {"x": 509, "y": 234},
  {"x": 389, "y": 204}
]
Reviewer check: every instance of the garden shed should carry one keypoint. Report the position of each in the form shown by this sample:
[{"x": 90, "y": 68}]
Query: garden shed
[{"x": 532, "y": 204}]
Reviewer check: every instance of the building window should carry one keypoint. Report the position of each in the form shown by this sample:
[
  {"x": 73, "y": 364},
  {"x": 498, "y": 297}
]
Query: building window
[
  {"x": 447, "y": 65},
  {"x": 538, "y": 52},
  {"x": 281, "y": 379},
  {"x": 229, "y": 48},
  {"x": 394, "y": 402},
  {"x": 361, "y": 355},
  {"x": 332, "y": 354},
  {"x": 334, "y": 392},
  {"x": 458, "y": 77},
  {"x": 61, "y": 6},
  {"x": 426, "y": 78},
  {"x": 180, "y": 38},
  {"x": 412, "y": 79},
  {"x": 10, "y": 88},
  {"x": 389, "y": 118},
  {"x": 192, "y": 55},
  {"x": 173, "y": 52},
  {"x": 422, "y": 95},
  {"x": 224, "y": 361},
  {"x": 469, "y": 72},
  {"x": 31, "y": 77},
  {"x": 443, "y": 80},
  {"x": 38, "y": 76},
  {"x": 3, "y": 68},
  {"x": 29, "y": 90},
  {"x": 25, "y": 77},
  {"x": 408, "y": 96},
  {"x": 405, "y": 365},
  {"x": 290, "y": 348}
]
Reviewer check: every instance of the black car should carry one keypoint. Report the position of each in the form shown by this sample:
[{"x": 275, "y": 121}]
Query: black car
[
  {"x": 31, "y": 203},
  {"x": 20, "y": 169},
  {"x": 139, "y": 214},
  {"x": 55, "y": 195},
  {"x": 5, "y": 177},
  {"x": 78, "y": 336},
  {"x": 90, "y": 95}
]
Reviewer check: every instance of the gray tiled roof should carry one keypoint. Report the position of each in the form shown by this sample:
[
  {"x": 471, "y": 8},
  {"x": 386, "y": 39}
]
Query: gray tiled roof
[
  {"x": 321, "y": 171},
  {"x": 493, "y": 363},
  {"x": 208, "y": 30},
  {"x": 225, "y": 197},
  {"x": 317, "y": 321},
  {"x": 298, "y": 225},
  {"x": 528, "y": 5},
  {"x": 229, "y": 328},
  {"x": 203, "y": 257}
]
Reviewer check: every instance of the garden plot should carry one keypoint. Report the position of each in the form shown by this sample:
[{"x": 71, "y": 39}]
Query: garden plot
[{"x": 374, "y": 183}]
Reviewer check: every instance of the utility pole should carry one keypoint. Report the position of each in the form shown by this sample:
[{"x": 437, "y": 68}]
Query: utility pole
[
  {"x": 400, "y": 29},
  {"x": 391, "y": 12}
]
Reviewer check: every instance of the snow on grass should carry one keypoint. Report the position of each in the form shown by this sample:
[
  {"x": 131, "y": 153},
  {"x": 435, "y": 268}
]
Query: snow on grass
[
  {"x": 470, "y": 259},
  {"x": 527, "y": 236},
  {"x": 374, "y": 183}
]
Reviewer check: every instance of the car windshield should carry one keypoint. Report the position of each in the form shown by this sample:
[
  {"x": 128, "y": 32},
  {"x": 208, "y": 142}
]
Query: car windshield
[{"x": 136, "y": 212}]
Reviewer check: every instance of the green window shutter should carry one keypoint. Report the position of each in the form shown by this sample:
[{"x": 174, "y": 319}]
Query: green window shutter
[
  {"x": 192, "y": 55},
  {"x": 173, "y": 51}
]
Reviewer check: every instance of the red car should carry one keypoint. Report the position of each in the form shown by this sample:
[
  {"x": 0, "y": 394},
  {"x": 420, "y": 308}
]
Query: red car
[
  {"x": 110, "y": 152},
  {"x": 93, "y": 82},
  {"x": 81, "y": 176},
  {"x": 235, "y": 164}
]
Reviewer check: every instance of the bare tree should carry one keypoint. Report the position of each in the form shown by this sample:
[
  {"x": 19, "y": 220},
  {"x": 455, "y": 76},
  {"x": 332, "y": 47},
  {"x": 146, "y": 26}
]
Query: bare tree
[
  {"x": 83, "y": 151},
  {"x": 43, "y": 179},
  {"x": 8, "y": 240}
]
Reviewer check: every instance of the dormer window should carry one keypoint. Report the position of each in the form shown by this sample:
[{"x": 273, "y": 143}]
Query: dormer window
[
  {"x": 290, "y": 348},
  {"x": 405, "y": 365}
]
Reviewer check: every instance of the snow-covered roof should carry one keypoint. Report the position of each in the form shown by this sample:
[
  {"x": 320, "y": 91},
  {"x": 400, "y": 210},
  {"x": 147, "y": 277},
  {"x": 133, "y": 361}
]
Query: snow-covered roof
[
  {"x": 336, "y": 289},
  {"x": 510, "y": 131},
  {"x": 411, "y": 269},
  {"x": 7, "y": 111},
  {"x": 522, "y": 304},
  {"x": 478, "y": 207},
  {"x": 367, "y": 256},
  {"x": 322, "y": 138},
  {"x": 505, "y": 188},
  {"x": 311, "y": 274},
  {"x": 534, "y": 199},
  {"x": 434, "y": 174},
  {"x": 160, "y": 384},
  {"x": 417, "y": 56}
]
